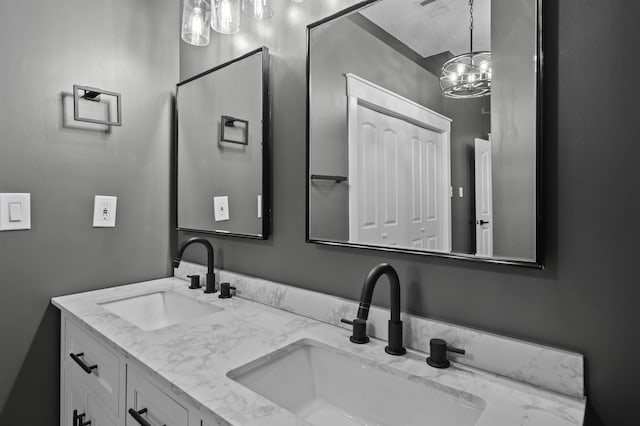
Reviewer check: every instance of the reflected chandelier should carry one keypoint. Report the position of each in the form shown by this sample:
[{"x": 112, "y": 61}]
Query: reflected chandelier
[{"x": 467, "y": 75}]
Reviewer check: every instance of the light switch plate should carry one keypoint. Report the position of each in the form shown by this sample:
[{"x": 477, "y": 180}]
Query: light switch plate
[
  {"x": 15, "y": 211},
  {"x": 104, "y": 211},
  {"x": 221, "y": 208}
]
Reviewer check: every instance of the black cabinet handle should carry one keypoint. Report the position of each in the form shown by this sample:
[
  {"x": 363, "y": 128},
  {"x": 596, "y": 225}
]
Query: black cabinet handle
[
  {"x": 137, "y": 416},
  {"x": 78, "y": 419},
  {"x": 86, "y": 367}
]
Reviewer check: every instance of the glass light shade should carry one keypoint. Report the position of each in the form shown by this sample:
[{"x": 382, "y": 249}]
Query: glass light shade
[
  {"x": 196, "y": 15},
  {"x": 258, "y": 9},
  {"x": 225, "y": 16},
  {"x": 467, "y": 76}
]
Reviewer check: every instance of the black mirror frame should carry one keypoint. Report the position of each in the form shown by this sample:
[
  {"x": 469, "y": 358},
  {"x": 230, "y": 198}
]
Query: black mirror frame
[
  {"x": 267, "y": 214},
  {"x": 538, "y": 262}
]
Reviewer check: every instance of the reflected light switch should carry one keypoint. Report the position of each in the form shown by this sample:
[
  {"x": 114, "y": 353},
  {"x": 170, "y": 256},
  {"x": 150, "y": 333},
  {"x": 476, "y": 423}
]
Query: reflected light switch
[
  {"x": 221, "y": 208},
  {"x": 15, "y": 212}
]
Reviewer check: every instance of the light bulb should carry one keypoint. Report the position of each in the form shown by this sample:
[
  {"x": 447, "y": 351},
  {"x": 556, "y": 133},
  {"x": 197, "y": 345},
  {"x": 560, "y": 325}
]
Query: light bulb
[
  {"x": 258, "y": 9},
  {"x": 196, "y": 21},
  {"x": 226, "y": 16},
  {"x": 461, "y": 68},
  {"x": 453, "y": 76}
]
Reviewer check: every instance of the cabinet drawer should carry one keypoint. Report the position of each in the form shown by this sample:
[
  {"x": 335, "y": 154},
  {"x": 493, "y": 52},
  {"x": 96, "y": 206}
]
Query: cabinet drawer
[
  {"x": 156, "y": 407},
  {"x": 98, "y": 367}
]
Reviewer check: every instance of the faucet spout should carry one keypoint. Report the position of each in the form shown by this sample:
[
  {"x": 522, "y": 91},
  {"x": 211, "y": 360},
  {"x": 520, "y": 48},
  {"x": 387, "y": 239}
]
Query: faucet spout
[
  {"x": 395, "y": 324},
  {"x": 369, "y": 285},
  {"x": 210, "y": 259}
]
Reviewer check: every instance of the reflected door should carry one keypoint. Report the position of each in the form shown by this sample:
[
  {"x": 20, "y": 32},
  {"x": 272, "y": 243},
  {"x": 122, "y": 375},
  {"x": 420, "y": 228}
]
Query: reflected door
[
  {"x": 484, "y": 198},
  {"x": 400, "y": 186}
]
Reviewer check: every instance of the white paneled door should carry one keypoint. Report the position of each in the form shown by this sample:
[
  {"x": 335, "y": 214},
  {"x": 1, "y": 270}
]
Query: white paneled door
[
  {"x": 484, "y": 198},
  {"x": 401, "y": 193}
]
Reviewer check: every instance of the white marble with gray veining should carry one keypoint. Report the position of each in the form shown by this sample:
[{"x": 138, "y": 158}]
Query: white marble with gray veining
[
  {"x": 193, "y": 357},
  {"x": 542, "y": 366}
]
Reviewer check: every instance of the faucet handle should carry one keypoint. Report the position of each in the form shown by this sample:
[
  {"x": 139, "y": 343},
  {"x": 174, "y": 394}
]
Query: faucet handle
[
  {"x": 359, "y": 330},
  {"x": 438, "y": 349},
  {"x": 225, "y": 290},
  {"x": 195, "y": 281}
]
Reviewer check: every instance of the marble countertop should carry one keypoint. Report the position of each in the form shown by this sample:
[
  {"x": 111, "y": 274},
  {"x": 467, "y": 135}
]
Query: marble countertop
[{"x": 193, "y": 358}]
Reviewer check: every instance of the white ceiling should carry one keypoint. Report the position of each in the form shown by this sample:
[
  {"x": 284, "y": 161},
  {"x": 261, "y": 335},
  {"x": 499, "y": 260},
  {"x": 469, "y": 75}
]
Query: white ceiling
[{"x": 441, "y": 25}]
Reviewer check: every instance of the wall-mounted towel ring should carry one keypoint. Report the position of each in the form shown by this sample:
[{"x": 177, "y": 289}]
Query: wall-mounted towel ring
[{"x": 95, "y": 95}]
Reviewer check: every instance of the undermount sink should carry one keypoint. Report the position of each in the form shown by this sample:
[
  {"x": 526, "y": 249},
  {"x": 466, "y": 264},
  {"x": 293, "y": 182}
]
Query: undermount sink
[
  {"x": 327, "y": 386},
  {"x": 158, "y": 310}
]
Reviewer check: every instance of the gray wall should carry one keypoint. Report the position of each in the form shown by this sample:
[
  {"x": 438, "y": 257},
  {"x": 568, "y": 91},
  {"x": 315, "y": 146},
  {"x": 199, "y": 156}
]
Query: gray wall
[
  {"x": 586, "y": 298},
  {"x": 468, "y": 124},
  {"x": 513, "y": 128},
  {"x": 47, "y": 46},
  {"x": 209, "y": 168}
]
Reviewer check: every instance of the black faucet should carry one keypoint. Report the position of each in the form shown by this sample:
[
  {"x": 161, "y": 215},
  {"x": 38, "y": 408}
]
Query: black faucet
[
  {"x": 395, "y": 346},
  {"x": 211, "y": 278}
]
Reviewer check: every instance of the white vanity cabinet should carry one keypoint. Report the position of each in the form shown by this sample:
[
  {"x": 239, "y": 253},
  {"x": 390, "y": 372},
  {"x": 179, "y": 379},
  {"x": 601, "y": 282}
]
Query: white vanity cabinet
[{"x": 100, "y": 387}]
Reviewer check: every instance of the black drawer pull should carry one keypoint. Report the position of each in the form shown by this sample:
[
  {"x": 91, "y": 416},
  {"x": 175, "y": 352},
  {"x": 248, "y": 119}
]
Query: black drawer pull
[
  {"x": 77, "y": 358},
  {"x": 137, "y": 416}
]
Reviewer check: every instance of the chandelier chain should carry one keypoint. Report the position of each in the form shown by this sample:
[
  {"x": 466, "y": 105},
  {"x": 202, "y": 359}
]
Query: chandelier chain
[{"x": 471, "y": 25}]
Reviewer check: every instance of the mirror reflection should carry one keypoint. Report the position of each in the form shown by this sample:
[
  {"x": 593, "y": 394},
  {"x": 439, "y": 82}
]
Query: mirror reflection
[
  {"x": 223, "y": 137},
  {"x": 423, "y": 127}
]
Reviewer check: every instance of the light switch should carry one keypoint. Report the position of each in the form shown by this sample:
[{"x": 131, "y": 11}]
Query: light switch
[
  {"x": 259, "y": 206},
  {"x": 221, "y": 208},
  {"x": 104, "y": 211},
  {"x": 15, "y": 212},
  {"x": 460, "y": 192}
]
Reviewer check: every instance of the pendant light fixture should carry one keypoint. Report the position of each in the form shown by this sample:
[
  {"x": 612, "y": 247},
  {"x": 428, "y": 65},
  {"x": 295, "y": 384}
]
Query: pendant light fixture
[
  {"x": 258, "y": 9},
  {"x": 225, "y": 16},
  {"x": 196, "y": 15},
  {"x": 467, "y": 75}
]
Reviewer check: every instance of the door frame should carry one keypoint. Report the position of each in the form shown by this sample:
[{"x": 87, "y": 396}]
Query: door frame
[{"x": 370, "y": 95}]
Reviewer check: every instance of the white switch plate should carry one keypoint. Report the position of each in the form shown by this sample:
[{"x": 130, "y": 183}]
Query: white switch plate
[
  {"x": 15, "y": 212},
  {"x": 259, "y": 206},
  {"x": 221, "y": 208},
  {"x": 104, "y": 211}
]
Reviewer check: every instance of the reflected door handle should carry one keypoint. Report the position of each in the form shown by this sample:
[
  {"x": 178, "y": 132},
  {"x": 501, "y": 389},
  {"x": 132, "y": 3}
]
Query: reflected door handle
[{"x": 482, "y": 222}]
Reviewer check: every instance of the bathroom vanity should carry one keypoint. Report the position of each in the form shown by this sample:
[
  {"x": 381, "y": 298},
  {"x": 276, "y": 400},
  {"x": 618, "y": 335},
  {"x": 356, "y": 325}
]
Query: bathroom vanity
[{"x": 158, "y": 353}]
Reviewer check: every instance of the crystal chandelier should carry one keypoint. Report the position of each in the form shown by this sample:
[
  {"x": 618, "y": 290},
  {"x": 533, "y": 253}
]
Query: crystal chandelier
[{"x": 467, "y": 75}]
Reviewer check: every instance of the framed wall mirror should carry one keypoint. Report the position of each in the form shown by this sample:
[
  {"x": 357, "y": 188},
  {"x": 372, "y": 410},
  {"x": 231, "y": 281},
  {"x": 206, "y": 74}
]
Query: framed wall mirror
[
  {"x": 223, "y": 149},
  {"x": 424, "y": 129}
]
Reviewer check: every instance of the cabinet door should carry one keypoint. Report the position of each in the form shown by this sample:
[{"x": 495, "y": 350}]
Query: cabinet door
[
  {"x": 98, "y": 414},
  {"x": 75, "y": 400},
  {"x": 153, "y": 405}
]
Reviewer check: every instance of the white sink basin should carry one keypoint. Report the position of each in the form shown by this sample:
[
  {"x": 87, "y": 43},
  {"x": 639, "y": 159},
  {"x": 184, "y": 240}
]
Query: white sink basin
[
  {"x": 327, "y": 386},
  {"x": 157, "y": 310}
]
